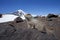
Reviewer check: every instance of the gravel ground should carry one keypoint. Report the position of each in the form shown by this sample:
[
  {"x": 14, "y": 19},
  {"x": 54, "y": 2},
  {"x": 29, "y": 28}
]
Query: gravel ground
[{"x": 8, "y": 32}]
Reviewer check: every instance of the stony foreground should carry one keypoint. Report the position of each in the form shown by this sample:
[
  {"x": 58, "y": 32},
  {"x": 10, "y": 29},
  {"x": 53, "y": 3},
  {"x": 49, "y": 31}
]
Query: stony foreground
[{"x": 9, "y": 32}]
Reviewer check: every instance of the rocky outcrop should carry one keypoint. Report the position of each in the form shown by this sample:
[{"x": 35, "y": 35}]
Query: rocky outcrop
[{"x": 0, "y": 15}]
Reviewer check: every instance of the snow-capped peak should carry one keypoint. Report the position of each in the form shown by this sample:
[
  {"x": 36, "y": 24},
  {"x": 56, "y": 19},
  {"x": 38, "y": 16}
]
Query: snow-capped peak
[
  {"x": 21, "y": 14},
  {"x": 21, "y": 11},
  {"x": 10, "y": 17}
]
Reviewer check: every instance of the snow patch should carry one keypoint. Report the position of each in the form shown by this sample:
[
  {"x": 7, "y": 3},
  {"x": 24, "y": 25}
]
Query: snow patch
[{"x": 7, "y": 18}]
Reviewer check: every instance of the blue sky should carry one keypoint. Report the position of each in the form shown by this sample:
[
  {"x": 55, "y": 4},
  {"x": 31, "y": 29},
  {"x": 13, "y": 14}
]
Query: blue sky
[{"x": 38, "y": 7}]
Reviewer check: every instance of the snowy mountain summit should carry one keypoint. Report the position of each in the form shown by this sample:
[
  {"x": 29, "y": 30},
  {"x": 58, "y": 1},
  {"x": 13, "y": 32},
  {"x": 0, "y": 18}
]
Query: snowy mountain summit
[
  {"x": 11, "y": 17},
  {"x": 20, "y": 13}
]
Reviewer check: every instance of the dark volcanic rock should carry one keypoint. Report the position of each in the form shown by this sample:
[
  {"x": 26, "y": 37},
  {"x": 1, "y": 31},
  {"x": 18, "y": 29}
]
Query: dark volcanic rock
[
  {"x": 52, "y": 15},
  {"x": 0, "y": 15}
]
